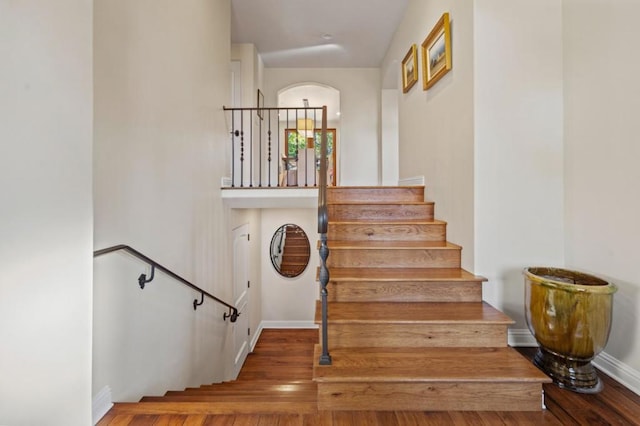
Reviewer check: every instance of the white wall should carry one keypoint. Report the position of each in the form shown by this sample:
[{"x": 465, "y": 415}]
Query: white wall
[
  {"x": 436, "y": 126},
  {"x": 161, "y": 79},
  {"x": 359, "y": 138},
  {"x": 518, "y": 145},
  {"x": 45, "y": 212},
  {"x": 390, "y": 172},
  {"x": 602, "y": 100},
  {"x": 289, "y": 299}
]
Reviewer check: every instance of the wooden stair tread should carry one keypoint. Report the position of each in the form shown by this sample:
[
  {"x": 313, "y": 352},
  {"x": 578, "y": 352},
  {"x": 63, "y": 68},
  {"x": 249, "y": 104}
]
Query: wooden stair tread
[
  {"x": 427, "y": 364},
  {"x": 242, "y": 407},
  {"x": 413, "y": 313},
  {"x": 391, "y": 245},
  {"x": 408, "y": 274},
  {"x": 389, "y": 222},
  {"x": 380, "y": 203}
]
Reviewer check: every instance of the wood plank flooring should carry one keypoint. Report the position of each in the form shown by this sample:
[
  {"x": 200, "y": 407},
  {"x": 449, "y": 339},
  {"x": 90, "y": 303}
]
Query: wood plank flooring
[{"x": 283, "y": 362}]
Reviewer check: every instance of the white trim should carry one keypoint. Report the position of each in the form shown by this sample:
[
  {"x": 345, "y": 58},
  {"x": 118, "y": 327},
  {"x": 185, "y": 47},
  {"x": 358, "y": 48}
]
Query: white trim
[
  {"x": 620, "y": 371},
  {"x": 101, "y": 404},
  {"x": 225, "y": 182},
  {"x": 288, "y": 324},
  {"x": 271, "y": 198},
  {"x": 412, "y": 181},
  {"x": 612, "y": 367},
  {"x": 521, "y": 337},
  {"x": 256, "y": 336}
]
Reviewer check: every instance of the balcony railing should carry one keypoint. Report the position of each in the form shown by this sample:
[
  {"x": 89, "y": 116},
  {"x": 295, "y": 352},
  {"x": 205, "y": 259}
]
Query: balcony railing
[{"x": 275, "y": 147}]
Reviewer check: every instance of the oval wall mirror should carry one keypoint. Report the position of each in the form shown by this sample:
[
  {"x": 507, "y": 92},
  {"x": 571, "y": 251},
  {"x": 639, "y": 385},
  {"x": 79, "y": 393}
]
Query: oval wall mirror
[{"x": 290, "y": 250}]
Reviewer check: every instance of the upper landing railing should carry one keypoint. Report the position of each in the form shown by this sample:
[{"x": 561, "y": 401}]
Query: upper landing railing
[
  {"x": 275, "y": 147},
  {"x": 280, "y": 147}
]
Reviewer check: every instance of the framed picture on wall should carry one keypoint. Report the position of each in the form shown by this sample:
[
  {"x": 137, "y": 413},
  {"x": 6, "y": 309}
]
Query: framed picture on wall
[
  {"x": 436, "y": 53},
  {"x": 410, "y": 69}
]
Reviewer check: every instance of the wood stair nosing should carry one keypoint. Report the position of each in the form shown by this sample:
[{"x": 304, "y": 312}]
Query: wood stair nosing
[
  {"x": 415, "y": 324},
  {"x": 399, "y": 275},
  {"x": 471, "y": 364},
  {"x": 212, "y": 408},
  {"x": 448, "y": 379},
  {"x": 353, "y": 212},
  {"x": 405, "y": 255},
  {"x": 404, "y": 291},
  {"x": 387, "y": 230},
  {"x": 414, "y": 313},
  {"x": 371, "y": 193}
]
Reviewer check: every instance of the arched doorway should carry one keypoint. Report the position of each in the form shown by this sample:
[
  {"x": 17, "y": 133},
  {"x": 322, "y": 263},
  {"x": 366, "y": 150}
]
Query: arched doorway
[{"x": 313, "y": 95}]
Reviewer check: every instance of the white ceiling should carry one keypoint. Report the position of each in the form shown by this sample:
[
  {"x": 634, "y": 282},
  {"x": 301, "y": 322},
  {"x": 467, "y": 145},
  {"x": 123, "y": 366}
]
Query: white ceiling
[{"x": 317, "y": 34}]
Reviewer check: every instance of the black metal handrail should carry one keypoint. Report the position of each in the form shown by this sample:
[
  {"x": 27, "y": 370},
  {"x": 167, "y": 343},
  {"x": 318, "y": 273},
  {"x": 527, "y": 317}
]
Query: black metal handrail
[
  {"x": 323, "y": 222},
  {"x": 232, "y": 314}
]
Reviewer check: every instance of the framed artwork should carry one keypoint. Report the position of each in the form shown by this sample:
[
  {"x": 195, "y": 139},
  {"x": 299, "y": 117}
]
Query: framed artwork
[
  {"x": 410, "y": 69},
  {"x": 260, "y": 104},
  {"x": 436, "y": 53}
]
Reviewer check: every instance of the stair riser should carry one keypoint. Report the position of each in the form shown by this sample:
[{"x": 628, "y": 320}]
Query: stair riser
[
  {"x": 387, "y": 232},
  {"x": 382, "y": 212},
  {"x": 397, "y": 194},
  {"x": 400, "y": 258},
  {"x": 359, "y": 291},
  {"x": 416, "y": 335},
  {"x": 434, "y": 396}
]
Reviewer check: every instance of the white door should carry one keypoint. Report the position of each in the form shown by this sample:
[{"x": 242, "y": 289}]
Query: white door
[{"x": 241, "y": 287}]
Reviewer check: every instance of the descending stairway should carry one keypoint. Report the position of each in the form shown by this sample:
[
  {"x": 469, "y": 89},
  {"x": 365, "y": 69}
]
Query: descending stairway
[
  {"x": 274, "y": 381},
  {"x": 407, "y": 327}
]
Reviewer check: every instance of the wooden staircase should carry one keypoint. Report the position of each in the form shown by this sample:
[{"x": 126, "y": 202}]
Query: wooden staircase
[
  {"x": 295, "y": 252},
  {"x": 408, "y": 329}
]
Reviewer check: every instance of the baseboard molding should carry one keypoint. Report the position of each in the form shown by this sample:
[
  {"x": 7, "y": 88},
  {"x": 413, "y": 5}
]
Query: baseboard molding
[
  {"x": 288, "y": 324},
  {"x": 101, "y": 404},
  {"x": 412, "y": 181},
  {"x": 620, "y": 371},
  {"x": 521, "y": 337},
  {"x": 614, "y": 368}
]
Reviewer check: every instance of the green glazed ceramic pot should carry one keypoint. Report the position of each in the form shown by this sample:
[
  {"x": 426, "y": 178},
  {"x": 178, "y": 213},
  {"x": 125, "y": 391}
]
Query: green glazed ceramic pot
[{"x": 569, "y": 314}]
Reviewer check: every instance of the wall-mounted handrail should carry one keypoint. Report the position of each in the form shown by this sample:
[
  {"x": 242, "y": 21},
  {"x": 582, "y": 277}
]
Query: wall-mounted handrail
[
  {"x": 232, "y": 314},
  {"x": 323, "y": 222}
]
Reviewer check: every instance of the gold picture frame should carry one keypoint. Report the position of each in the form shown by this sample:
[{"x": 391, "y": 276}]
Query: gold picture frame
[
  {"x": 410, "y": 69},
  {"x": 436, "y": 52}
]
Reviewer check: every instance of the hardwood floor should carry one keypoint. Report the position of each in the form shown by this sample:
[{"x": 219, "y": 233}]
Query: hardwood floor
[{"x": 279, "y": 371}]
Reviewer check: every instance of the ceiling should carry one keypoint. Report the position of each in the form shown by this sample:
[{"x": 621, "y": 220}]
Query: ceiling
[{"x": 317, "y": 34}]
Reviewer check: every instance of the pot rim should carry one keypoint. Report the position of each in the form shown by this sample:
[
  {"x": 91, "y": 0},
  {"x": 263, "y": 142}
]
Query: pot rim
[{"x": 532, "y": 274}]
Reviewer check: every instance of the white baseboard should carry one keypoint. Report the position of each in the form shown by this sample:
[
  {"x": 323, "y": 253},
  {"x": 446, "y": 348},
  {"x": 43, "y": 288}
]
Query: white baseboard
[
  {"x": 620, "y": 371},
  {"x": 288, "y": 324},
  {"x": 614, "y": 368},
  {"x": 101, "y": 404},
  {"x": 521, "y": 337},
  {"x": 412, "y": 181}
]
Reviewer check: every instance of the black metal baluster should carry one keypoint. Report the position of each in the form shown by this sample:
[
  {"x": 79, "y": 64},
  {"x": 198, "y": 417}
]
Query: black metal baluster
[
  {"x": 241, "y": 149},
  {"x": 269, "y": 147},
  {"x": 251, "y": 161},
  {"x": 233, "y": 151}
]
